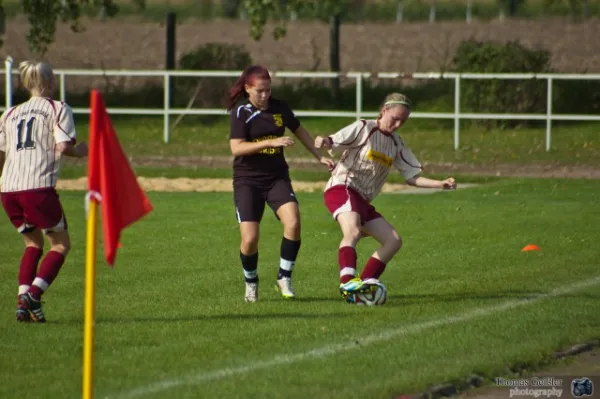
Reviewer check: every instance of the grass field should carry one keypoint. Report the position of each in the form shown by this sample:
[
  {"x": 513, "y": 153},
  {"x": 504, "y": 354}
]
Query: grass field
[{"x": 171, "y": 321}]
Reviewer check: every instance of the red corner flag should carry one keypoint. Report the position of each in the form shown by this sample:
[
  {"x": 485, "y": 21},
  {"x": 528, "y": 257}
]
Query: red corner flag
[{"x": 122, "y": 200}]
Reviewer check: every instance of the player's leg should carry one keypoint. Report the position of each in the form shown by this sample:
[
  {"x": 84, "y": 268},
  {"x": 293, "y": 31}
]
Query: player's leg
[
  {"x": 282, "y": 199},
  {"x": 289, "y": 214},
  {"x": 34, "y": 242},
  {"x": 390, "y": 241},
  {"x": 43, "y": 209},
  {"x": 340, "y": 202},
  {"x": 349, "y": 222},
  {"x": 250, "y": 205},
  {"x": 249, "y": 257},
  {"x": 346, "y": 207}
]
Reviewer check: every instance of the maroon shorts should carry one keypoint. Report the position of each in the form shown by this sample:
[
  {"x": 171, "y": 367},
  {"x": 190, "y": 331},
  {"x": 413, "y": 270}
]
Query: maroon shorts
[
  {"x": 28, "y": 210},
  {"x": 340, "y": 199}
]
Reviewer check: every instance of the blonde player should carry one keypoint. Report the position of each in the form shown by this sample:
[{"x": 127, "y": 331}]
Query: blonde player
[
  {"x": 370, "y": 148},
  {"x": 33, "y": 137}
]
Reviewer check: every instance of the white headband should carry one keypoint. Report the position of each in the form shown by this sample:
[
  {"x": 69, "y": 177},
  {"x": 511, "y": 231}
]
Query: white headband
[{"x": 401, "y": 102}]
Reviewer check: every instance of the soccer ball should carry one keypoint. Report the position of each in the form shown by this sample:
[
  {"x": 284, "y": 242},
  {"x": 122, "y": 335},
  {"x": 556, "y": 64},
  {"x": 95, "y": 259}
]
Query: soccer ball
[{"x": 376, "y": 295}]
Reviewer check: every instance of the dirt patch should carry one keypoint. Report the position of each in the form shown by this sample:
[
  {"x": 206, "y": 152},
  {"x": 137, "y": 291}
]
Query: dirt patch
[
  {"x": 309, "y": 164},
  {"x": 164, "y": 184}
]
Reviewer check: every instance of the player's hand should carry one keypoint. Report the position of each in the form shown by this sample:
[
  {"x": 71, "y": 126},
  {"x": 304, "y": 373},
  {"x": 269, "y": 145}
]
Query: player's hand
[
  {"x": 449, "y": 184},
  {"x": 82, "y": 149},
  {"x": 321, "y": 142},
  {"x": 284, "y": 141},
  {"x": 330, "y": 163}
]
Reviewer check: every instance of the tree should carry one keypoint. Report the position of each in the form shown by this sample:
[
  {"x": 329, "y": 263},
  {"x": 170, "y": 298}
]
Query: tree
[
  {"x": 43, "y": 16},
  {"x": 332, "y": 11},
  {"x": 260, "y": 11}
]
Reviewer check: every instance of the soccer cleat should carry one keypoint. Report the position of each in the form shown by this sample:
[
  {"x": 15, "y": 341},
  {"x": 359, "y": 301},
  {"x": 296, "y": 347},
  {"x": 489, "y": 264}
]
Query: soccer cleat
[
  {"x": 353, "y": 286},
  {"x": 284, "y": 285},
  {"x": 352, "y": 289},
  {"x": 33, "y": 307},
  {"x": 251, "y": 292},
  {"x": 22, "y": 313}
]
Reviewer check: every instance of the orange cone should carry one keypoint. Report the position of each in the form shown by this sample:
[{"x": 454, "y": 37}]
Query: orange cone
[{"x": 531, "y": 247}]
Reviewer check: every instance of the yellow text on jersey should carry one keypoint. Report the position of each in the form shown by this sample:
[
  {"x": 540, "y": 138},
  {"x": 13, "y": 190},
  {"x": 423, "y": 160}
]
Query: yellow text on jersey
[
  {"x": 380, "y": 158},
  {"x": 278, "y": 119},
  {"x": 268, "y": 151}
]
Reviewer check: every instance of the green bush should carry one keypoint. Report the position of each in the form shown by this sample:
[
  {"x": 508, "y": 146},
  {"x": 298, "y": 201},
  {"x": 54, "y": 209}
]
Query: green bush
[
  {"x": 501, "y": 95},
  {"x": 211, "y": 91}
]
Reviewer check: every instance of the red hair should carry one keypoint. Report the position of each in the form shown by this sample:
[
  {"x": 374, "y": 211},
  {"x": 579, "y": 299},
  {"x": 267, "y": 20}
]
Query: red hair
[{"x": 248, "y": 76}]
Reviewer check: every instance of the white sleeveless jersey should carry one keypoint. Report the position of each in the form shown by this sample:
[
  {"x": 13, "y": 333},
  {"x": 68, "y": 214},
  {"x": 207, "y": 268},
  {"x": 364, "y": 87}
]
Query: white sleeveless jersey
[
  {"x": 367, "y": 158},
  {"x": 29, "y": 133}
]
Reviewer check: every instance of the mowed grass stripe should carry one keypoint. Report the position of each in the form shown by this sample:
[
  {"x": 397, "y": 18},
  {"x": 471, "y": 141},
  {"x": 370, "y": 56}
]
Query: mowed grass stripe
[
  {"x": 334, "y": 349},
  {"x": 173, "y": 305}
]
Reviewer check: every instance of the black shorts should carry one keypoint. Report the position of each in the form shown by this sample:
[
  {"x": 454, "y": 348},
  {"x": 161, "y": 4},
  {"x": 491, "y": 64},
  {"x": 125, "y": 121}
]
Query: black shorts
[{"x": 250, "y": 197}]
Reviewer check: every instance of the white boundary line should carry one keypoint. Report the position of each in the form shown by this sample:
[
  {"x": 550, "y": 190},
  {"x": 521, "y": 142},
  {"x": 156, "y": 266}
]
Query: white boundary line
[{"x": 333, "y": 349}]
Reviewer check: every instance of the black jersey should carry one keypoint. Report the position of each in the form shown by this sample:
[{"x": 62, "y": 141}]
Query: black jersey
[{"x": 253, "y": 125}]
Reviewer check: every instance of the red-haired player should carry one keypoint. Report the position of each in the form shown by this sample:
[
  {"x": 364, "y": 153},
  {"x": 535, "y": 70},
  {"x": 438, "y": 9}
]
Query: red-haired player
[
  {"x": 260, "y": 172},
  {"x": 33, "y": 138},
  {"x": 369, "y": 148}
]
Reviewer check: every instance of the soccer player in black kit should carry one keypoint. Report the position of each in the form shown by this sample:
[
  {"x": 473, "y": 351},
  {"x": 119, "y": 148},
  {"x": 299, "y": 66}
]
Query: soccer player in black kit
[{"x": 260, "y": 173}]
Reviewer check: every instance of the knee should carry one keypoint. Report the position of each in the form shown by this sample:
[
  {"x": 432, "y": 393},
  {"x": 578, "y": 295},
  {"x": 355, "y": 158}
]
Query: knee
[
  {"x": 249, "y": 244},
  {"x": 394, "y": 243},
  {"x": 353, "y": 234},
  {"x": 63, "y": 247},
  {"x": 293, "y": 226}
]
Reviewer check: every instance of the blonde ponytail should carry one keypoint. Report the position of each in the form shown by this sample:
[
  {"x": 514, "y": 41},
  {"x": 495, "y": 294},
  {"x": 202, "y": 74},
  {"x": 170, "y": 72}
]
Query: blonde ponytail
[{"x": 36, "y": 76}]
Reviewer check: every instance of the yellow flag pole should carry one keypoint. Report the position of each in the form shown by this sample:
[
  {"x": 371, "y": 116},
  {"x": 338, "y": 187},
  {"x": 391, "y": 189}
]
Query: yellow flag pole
[{"x": 90, "y": 301}]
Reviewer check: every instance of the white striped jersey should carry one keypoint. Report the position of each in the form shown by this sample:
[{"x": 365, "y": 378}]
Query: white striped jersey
[
  {"x": 368, "y": 154},
  {"x": 29, "y": 133}
]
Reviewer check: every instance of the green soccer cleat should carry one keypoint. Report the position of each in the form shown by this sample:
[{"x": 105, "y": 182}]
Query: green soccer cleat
[
  {"x": 353, "y": 286},
  {"x": 351, "y": 290}
]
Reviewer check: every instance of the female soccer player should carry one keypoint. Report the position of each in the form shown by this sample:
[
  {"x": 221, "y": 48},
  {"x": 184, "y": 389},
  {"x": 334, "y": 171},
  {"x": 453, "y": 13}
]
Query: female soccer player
[
  {"x": 260, "y": 173},
  {"x": 369, "y": 150},
  {"x": 33, "y": 137}
]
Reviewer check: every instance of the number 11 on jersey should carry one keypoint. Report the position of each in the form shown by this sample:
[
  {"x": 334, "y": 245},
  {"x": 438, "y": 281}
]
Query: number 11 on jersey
[{"x": 28, "y": 143}]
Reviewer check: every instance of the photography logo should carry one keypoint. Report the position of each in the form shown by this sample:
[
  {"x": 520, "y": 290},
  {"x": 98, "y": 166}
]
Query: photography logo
[{"x": 581, "y": 387}]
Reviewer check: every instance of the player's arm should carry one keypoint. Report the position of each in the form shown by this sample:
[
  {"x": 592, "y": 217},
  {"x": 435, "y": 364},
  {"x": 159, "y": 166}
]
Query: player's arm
[
  {"x": 345, "y": 138},
  {"x": 64, "y": 135},
  {"x": 69, "y": 149},
  {"x": 308, "y": 142},
  {"x": 410, "y": 167},
  {"x": 420, "y": 181},
  {"x": 241, "y": 147}
]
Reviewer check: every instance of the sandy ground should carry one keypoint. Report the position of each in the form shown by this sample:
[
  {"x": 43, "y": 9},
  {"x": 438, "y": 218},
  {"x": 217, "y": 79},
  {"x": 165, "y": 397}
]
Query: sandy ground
[{"x": 224, "y": 185}]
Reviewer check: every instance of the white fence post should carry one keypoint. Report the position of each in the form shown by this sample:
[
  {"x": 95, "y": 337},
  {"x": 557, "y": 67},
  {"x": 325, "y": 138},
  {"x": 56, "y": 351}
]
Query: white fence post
[
  {"x": 62, "y": 85},
  {"x": 548, "y": 113},
  {"x": 456, "y": 112},
  {"x": 359, "y": 96},
  {"x": 166, "y": 111},
  {"x": 8, "y": 81},
  {"x": 167, "y": 100}
]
